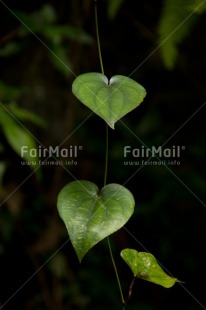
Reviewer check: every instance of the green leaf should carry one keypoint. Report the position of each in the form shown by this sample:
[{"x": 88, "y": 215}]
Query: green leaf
[
  {"x": 91, "y": 215},
  {"x": 110, "y": 99},
  {"x": 145, "y": 266}
]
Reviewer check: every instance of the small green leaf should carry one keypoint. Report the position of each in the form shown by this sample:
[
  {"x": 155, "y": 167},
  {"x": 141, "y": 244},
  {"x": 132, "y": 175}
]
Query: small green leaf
[
  {"x": 110, "y": 99},
  {"x": 90, "y": 215},
  {"x": 145, "y": 266}
]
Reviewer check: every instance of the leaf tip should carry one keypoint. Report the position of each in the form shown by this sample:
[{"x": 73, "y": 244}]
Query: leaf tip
[
  {"x": 79, "y": 255},
  {"x": 111, "y": 125}
]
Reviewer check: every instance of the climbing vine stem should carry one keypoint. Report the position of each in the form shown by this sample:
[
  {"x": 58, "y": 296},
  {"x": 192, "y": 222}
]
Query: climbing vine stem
[
  {"x": 106, "y": 156},
  {"x": 98, "y": 41},
  {"x": 116, "y": 272}
]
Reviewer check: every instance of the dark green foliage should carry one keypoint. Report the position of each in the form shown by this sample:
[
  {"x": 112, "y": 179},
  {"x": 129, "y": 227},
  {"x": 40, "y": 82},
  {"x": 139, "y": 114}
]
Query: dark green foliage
[
  {"x": 177, "y": 19},
  {"x": 16, "y": 133},
  {"x": 169, "y": 218}
]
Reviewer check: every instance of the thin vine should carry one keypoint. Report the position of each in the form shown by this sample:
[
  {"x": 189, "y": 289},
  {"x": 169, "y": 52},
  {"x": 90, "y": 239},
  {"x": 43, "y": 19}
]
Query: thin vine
[{"x": 106, "y": 157}]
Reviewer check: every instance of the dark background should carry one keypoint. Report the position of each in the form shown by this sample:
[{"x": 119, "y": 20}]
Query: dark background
[{"x": 170, "y": 215}]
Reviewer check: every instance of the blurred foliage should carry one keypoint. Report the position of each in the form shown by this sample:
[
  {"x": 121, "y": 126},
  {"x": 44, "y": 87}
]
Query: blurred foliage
[
  {"x": 176, "y": 21},
  {"x": 43, "y": 24},
  {"x": 113, "y": 7},
  {"x": 8, "y": 93},
  {"x": 16, "y": 133},
  {"x": 35, "y": 85}
]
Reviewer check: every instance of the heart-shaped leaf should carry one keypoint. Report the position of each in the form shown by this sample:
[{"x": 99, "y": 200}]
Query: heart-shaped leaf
[
  {"x": 90, "y": 215},
  {"x": 110, "y": 99},
  {"x": 145, "y": 266}
]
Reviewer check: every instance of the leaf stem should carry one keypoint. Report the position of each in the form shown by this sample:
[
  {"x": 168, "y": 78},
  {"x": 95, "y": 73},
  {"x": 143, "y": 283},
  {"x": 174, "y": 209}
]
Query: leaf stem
[
  {"x": 98, "y": 41},
  {"x": 116, "y": 272},
  {"x": 130, "y": 290}
]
